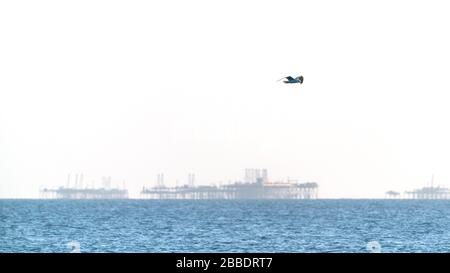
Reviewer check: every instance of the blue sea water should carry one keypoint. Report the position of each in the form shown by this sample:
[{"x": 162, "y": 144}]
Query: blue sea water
[{"x": 224, "y": 225}]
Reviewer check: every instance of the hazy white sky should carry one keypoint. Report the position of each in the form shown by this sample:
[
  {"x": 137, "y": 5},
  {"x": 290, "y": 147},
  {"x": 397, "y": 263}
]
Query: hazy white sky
[{"x": 132, "y": 88}]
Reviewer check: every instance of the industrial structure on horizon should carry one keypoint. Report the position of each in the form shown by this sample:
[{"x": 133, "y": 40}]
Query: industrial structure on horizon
[
  {"x": 79, "y": 191},
  {"x": 256, "y": 185},
  {"x": 428, "y": 192}
]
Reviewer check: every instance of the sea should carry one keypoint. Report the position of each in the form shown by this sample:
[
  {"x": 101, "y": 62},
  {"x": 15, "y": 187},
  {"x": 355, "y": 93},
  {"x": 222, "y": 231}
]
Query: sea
[{"x": 237, "y": 226}]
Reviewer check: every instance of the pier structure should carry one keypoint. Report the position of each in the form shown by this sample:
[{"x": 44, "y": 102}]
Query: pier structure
[
  {"x": 256, "y": 186},
  {"x": 392, "y": 195},
  {"x": 74, "y": 193},
  {"x": 429, "y": 192},
  {"x": 76, "y": 190}
]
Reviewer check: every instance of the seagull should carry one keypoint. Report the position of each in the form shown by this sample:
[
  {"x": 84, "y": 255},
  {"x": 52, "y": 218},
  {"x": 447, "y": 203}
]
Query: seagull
[{"x": 290, "y": 79}]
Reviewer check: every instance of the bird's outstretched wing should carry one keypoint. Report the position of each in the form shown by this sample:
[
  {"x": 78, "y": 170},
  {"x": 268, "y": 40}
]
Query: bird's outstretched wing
[{"x": 288, "y": 78}]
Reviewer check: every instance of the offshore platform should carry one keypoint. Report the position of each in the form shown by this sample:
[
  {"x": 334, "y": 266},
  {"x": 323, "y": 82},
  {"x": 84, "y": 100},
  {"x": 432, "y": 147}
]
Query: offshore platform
[
  {"x": 427, "y": 192},
  {"x": 79, "y": 191},
  {"x": 255, "y": 186}
]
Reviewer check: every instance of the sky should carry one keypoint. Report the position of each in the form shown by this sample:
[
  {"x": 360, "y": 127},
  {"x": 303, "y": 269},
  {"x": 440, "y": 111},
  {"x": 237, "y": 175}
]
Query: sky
[{"x": 130, "y": 89}]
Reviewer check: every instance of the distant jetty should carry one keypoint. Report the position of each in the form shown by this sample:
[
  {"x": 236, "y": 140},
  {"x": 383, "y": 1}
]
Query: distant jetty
[
  {"x": 74, "y": 193},
  {"x": 79, "y": 191},
  {"x": 428, "y": 192},
  {"x": 255, "y": 186}
]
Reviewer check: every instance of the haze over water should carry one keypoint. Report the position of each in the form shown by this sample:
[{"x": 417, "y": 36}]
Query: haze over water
[{"x": 129, "y": 90}]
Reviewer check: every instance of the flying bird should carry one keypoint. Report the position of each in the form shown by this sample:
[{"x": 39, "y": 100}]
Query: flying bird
[{"x": 290, "y": 79}]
